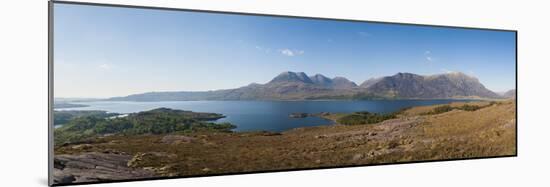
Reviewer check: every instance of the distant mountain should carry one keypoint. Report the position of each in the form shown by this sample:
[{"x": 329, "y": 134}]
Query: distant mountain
[
  {"x": 299, "y": 86},
  {"x": 285, "y": 86},
  {"x": 288, "y": 76},
  {"x": 408, "y": 85},
  {"x": 342, "y": 83},
  {"x": 509, "y": 94},
  {"x": 369, "y": 82},
  {"x": 321, "y": 80},
  {"x": 335, "y": 83}
]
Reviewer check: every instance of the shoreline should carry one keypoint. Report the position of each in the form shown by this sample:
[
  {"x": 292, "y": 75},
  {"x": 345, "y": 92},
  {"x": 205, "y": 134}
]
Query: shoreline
[
  {"x": 320, "y": 115},
  {"x": 412, "y": 136}
]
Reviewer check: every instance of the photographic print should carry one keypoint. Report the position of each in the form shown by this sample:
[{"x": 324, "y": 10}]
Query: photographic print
[{"x": 148, "y": 93}]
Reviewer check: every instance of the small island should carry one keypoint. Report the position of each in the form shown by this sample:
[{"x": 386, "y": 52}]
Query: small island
[{"x": 298, "y": 115}]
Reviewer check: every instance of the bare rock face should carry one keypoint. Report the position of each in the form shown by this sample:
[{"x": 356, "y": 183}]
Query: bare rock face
[{"x": 94, "y": 167}]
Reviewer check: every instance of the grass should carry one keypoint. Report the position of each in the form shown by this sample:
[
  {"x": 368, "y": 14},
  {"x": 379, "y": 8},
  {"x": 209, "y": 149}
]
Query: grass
[{"x": 485, "y": 130}]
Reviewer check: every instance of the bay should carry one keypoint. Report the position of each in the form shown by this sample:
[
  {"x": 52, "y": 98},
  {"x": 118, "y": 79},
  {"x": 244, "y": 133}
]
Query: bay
[{"x": 264, "y": 115}]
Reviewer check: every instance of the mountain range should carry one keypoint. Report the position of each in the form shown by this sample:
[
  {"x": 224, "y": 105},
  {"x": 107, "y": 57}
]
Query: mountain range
[
  {"x": 299, "y": 86},
  {"x": 509, "y": 94}
]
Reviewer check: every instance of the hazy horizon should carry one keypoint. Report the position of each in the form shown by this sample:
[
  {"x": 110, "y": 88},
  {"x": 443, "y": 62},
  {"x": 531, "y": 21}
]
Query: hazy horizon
[{"x": 105, "y": 52}]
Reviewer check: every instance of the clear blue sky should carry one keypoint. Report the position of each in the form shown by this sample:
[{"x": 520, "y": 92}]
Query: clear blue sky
[{"x": 105, "y": 51}]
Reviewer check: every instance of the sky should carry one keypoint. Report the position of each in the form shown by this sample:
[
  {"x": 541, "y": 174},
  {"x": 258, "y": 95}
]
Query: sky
[{"x": 104, "y": 52}]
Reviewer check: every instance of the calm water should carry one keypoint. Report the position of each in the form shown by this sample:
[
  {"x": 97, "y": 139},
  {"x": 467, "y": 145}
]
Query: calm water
[{"x": 263, "y": 115}]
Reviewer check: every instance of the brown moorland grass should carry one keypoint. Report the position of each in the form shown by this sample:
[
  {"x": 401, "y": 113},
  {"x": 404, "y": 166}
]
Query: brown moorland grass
[{"x": 488, "y": 131}]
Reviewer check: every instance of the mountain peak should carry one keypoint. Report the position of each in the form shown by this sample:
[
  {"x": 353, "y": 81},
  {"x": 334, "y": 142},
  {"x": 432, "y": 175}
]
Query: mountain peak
[
  {"x": 342, "y": 83},
  {"x": 321, "y": 80},
  {"x": 405, "y": 75},
  {"x": 448, "y": 85},
  {"x": 290, "y": 76},
  {"x": 298, "y": 85},
  {"x": 455, "y": 76},
  {"x": 318, "y": 76},
  {"x": 339, "y": 78}
]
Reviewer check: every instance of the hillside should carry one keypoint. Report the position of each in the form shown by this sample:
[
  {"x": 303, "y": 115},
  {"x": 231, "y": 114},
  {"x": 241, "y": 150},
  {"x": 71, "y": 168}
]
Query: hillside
[
  {"x": 416, "y": 134},
  {"x": 408, "y": 85},
  {"x": 509, "y": 94},
  {"x": 82, "y": 126},
  {"x": 300, "y": 86}
]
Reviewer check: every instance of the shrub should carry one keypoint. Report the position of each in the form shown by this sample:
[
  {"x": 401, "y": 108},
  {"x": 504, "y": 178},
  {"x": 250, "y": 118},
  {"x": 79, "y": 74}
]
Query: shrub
[
  {"x": 469, "y": 107},
  {"x": 465, "y": 107},
  {"x": 442, "y": 109},
  {"x": 359, "y": 118}
]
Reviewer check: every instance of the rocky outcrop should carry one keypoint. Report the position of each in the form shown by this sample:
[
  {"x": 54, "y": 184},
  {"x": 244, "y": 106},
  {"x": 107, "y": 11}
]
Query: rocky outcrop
[{"x": 94, "y": 167}]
